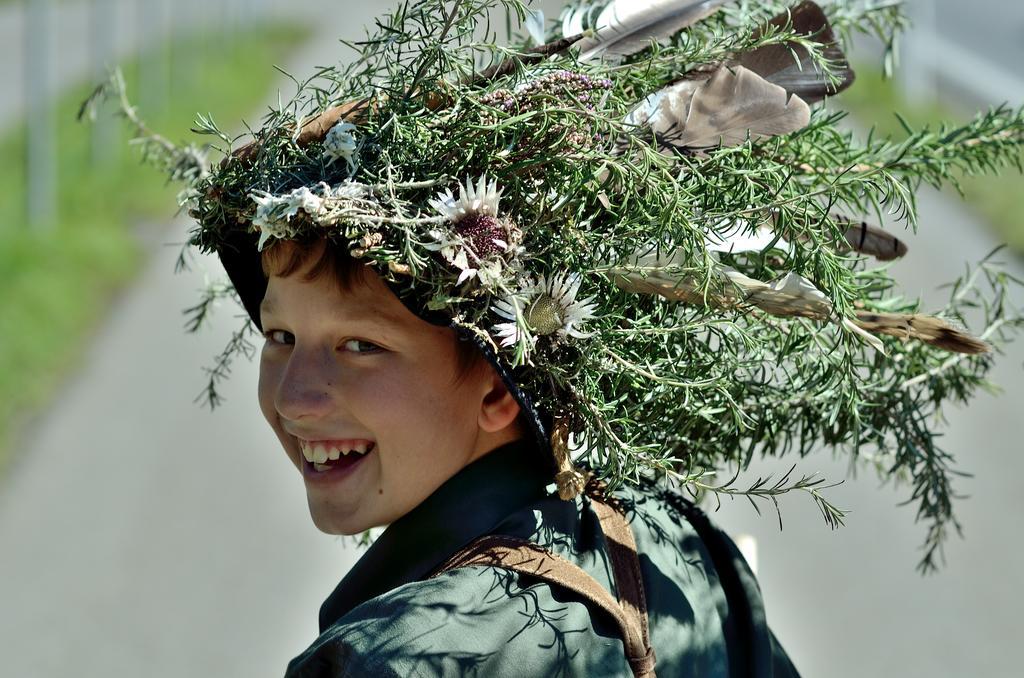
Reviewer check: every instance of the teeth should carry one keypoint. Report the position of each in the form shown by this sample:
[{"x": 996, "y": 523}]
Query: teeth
[
  {"x": 321, "y": 467},
  {"x": 319, "y": 453}
]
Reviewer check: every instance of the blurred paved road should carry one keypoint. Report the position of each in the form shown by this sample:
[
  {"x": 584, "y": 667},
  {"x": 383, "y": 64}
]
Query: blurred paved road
[{"x": 142, "y": 536}]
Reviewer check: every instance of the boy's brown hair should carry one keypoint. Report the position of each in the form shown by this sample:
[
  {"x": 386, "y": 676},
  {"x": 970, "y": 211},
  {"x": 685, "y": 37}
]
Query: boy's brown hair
[{"x": 330, "y": 258}]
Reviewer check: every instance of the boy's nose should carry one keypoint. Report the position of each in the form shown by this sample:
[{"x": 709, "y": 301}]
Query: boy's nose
[{"x": 305, "y": 389}]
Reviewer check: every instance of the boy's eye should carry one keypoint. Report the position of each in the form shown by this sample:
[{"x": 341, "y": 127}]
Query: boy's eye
[
  {"x": 360, "y": 346},
  {"x": 279, "y": 337}
]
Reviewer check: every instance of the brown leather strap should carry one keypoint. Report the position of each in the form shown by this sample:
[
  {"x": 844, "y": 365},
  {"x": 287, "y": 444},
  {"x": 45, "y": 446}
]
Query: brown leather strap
[
  {"x": 629, "y": 612},
  {"x": 628, "y": 579}
]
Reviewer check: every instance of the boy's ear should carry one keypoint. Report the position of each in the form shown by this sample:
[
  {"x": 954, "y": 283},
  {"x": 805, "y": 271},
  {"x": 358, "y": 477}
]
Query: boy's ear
[{"x": 498, "y": 408}]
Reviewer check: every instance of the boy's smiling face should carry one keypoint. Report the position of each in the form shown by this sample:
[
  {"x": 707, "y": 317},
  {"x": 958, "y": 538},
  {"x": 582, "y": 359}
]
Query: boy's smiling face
[{"x": 355, "y": 368}]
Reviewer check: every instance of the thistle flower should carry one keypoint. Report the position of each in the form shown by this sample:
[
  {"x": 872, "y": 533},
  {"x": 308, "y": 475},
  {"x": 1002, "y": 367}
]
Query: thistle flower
[
  {"x": 479, "y": 235},
  {"x": 474, "y": 215},
  {"x": 481, "y": 200},
  {"x": 549, "y": 306},
  {"x": 455, "y": 251}
]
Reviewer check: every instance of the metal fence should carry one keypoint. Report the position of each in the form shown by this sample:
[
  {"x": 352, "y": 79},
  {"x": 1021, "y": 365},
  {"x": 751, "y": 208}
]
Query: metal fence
[
  {"x": 970, "y": 52},
  {"x": 59, "y": 43}
]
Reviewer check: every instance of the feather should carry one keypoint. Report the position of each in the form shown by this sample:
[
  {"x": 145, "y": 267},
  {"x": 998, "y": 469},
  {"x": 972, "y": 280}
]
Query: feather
[
  {"x": 653, "y": 273},
  {"x": 860, "y": 236},
  {"x": 660, "y": 274},
  {"x": 625, "y": 28},
  {"x": 790, "y": 65},
  {"x": 534, "y": 25},
  {"x": 726, "y": 108},
  {"x": 867, "y": 239},
  {"x": 926, "y": 328},
  {"x": 871, "y": 339},
  {"x": 791, "y": 295},
  {"x": 312, "y": 130},
  {"x": 736, "y": 237},
  {"x": 572, "y": 22},
  {"x": 575, "y": 20}
]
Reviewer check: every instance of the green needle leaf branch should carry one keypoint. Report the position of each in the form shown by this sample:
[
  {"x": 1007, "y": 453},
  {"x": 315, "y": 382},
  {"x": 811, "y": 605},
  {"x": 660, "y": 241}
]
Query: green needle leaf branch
[
  {"x": 652, "y": 386},
  {"x": 760, "y": 489}
]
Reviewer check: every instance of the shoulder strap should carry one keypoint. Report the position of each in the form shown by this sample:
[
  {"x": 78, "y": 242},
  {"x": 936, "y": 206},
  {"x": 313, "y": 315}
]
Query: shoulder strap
[
  {"x": 629, "y": 613},
  {"x": 629, "y": 581}
]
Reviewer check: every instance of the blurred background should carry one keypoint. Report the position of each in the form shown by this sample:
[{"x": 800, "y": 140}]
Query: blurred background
[{"x": 141, "y": 535}]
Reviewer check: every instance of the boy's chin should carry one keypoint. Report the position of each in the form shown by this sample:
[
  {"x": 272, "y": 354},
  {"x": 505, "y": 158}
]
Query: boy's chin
[{"x": 340, "y": 527}]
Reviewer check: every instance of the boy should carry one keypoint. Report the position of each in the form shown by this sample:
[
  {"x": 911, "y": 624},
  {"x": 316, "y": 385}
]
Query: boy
[
  {"x": 591, "y": 252},
  {"x": 424, "y": 436}
]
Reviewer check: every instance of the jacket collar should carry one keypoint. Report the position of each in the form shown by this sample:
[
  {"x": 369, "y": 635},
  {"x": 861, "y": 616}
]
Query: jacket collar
[{"x": 466, "y": 506}]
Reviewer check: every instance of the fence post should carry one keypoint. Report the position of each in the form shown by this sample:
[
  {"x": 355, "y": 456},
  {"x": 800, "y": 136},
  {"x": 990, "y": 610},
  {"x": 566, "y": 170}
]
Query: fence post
[
  {"x": 41, "y": 170},
  {"x": 919, "y": 79},
  {"x": 154, "y": 56},
  {"x": 103, "y": 17}
]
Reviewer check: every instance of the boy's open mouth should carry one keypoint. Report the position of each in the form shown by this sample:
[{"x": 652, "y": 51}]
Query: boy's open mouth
[{"x": 321, "y": 456}]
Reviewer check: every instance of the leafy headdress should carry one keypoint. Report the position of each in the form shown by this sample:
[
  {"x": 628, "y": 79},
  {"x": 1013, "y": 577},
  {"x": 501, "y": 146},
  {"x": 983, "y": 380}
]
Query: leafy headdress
[{"x": 647, "y": 218}]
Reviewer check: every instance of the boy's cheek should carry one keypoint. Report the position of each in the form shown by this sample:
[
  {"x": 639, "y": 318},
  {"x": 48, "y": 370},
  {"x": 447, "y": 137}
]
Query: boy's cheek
[{"x": 266, "y": 390}]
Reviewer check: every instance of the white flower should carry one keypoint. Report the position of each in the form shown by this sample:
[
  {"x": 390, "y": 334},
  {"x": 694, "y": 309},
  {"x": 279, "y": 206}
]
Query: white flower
[
  {"x": 307, "y": 201},
  {"x": 547, "y": 306},
  {"x": 482, "y": 199},
  {"x": 341, "y": 143},
  {"x": 274, "y": 212},
  {"x": 509, "y": 334},
  {"x": 349, "y": 190}
]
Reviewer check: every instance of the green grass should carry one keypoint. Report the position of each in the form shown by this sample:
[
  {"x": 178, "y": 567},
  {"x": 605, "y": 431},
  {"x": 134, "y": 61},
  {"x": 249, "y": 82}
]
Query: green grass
[
  {"x": 997, "y": 200},
  {"x": 56, "y": 283}
]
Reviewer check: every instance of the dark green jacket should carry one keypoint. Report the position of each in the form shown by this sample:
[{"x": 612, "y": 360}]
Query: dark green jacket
[{"x": 706, "y": 614}]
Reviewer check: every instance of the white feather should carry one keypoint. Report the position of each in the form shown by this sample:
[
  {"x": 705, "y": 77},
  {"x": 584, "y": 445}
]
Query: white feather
[
  {"x": 619, "y": 11},
  {"x": 736, "y": 238},
  {"x": 572, "y": 23},
  {"x": 534, "y": 25},
  {"x": 630, "y": 25},
  {"x": 575, "y": 20},
  {"x": 871, "y": 339}
]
